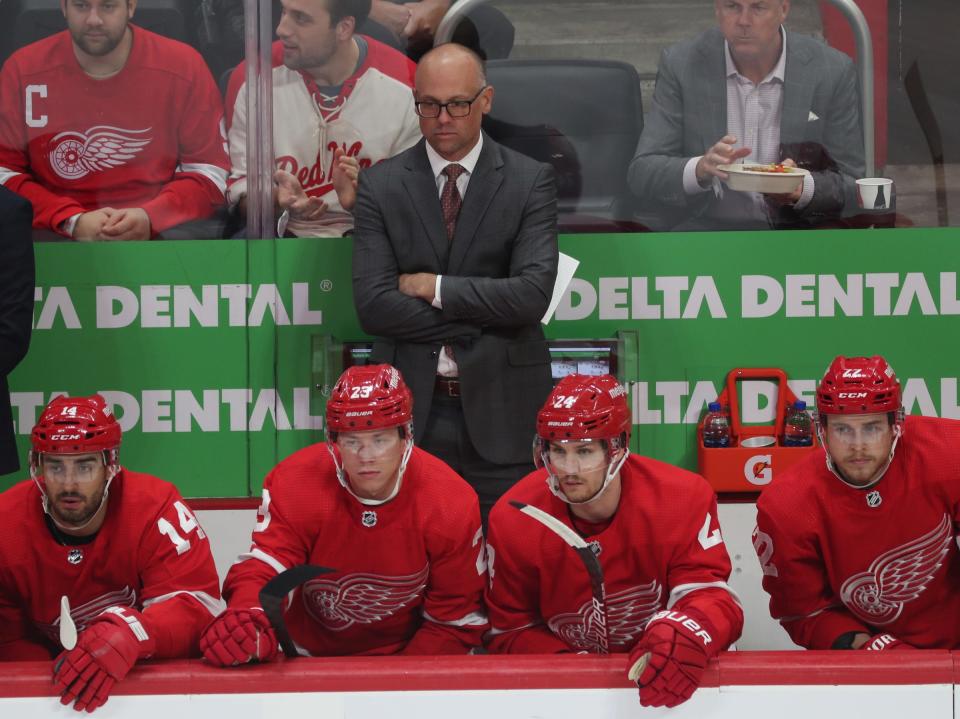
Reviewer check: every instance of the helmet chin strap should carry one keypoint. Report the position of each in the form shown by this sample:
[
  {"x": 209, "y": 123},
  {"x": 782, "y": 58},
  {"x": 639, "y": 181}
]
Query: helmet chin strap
[
  {"x": 613, "y": 468},
  {"x": 342, "y": 477},
  {"x": 880, "y": 472}
]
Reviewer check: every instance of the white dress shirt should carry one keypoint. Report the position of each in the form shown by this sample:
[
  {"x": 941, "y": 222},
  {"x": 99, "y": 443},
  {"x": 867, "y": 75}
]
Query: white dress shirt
[
  {"x": 446, "y": 367},
  {"x": 753, "y": 117}
]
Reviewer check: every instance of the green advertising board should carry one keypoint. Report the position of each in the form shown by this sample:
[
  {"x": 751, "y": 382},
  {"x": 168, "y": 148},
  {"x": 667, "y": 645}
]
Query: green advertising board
[{"x": 211, "y": 351}]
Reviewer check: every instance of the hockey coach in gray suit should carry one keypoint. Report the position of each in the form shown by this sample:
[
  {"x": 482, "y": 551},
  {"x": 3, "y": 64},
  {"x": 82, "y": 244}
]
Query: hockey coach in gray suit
[{"x": 454, "y": 262}]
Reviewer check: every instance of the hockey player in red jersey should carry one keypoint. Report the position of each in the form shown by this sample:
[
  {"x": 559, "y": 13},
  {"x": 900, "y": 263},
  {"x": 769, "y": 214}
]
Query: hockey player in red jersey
[
  {"x": 654, "y": 530},
  {"x": 398, "y": 526},
  {"x": 341, "y": 102},
  {"x": 111, "y": 131},
  {"x": 858, "y": 541},
  {"x": 120, "y": 546}
]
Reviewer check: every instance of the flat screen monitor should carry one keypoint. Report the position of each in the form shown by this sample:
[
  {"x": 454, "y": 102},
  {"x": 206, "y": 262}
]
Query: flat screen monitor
[{"x": 591, "y": 357}]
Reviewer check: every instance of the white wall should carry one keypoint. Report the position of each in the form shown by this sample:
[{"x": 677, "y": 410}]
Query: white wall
[{"x": 736, "y": 702}]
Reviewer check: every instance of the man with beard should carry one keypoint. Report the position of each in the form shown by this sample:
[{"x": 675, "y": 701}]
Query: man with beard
[
  {"x": 341, "y": 102},
  {"x": 858, "y": 541},
  {"x": 121, "y": 546},
  {"x": 655, "y": 532},
  {"x": 111, "y": 131}
]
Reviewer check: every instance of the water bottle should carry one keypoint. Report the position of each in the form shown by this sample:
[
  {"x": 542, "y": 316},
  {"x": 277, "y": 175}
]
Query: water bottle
[
  {"x": 798, "y": 429},
  {"x": 716, "y": 427}
]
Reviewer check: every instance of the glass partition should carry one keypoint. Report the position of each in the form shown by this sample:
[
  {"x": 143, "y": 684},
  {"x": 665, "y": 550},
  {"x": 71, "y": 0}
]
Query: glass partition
[
  {"x": 630, "y": 101},
  {"x": 216, "y": 337}
]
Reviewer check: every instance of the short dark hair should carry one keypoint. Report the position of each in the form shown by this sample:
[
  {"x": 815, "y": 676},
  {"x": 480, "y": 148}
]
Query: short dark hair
[{"x": 357, "y": 9}]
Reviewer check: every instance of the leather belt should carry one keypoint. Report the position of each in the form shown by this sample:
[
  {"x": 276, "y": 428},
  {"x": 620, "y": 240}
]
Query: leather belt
[{"x": 447, "y": 386}]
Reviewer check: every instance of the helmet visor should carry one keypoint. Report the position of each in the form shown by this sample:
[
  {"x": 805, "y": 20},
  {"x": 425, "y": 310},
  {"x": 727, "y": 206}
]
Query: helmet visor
[{"x": 570, "y": 457}]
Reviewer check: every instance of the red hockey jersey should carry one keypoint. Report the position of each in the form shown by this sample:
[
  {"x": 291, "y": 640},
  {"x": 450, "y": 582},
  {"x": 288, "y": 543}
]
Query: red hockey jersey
[
  {"x": 409, "y": 573},
  {"x": 838, "y": 559},
  {"x": 149, "y": 136},
  {"x": 662, "y": 550},
  {"x": 150, "y": 553}
]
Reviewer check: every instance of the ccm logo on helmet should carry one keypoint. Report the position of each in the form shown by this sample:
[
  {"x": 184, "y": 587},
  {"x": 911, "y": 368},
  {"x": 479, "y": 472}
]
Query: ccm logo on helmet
[
  {"x": 65, "y": 437},
  {"x": 851, "y": 395}
]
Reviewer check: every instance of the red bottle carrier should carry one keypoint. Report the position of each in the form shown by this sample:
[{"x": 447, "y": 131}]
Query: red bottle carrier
[{"x": 748, "y": 469}]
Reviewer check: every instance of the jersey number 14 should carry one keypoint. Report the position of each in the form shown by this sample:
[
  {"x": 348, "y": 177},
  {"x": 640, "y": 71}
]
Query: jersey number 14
[{"x": 188, "y": 523}]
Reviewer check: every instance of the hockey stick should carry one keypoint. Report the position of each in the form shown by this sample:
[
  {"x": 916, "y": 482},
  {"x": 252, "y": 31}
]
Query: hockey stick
[
  {"x": 275, "y": 592},
  {"x": 590, "y": 561},
  {"x": 68, "y": 630}
]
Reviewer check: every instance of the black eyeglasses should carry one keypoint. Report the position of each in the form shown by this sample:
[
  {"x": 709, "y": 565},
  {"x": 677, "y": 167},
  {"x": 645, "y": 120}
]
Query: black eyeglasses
[{"x": 455, "y": 108}]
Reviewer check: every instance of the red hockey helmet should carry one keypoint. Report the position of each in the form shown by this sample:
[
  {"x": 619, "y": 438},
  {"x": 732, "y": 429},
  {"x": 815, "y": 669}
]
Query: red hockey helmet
[
  {"x": 76, "y": 425},
  {"x": 369, "y": 398},
  {"x": 858, "y": 385},
  {"x": 583, "y": 407}
]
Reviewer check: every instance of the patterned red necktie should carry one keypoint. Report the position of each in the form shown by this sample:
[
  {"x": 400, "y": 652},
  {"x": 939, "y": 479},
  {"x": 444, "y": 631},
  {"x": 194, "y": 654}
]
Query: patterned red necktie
[
  {"x": 450, "y": 202},
  {"x": 450, "y": 198}
]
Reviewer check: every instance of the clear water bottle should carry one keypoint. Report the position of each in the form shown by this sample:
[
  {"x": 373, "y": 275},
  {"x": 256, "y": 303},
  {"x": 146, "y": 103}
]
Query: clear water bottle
[
  {"x": 798, "y": 428},
  {"x": 716, "y": 427}
]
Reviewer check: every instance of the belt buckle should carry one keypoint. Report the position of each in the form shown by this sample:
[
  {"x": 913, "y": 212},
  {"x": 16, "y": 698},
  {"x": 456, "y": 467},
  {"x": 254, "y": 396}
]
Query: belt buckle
[
  {"x": 453, "y": 387},
  {"x": 450, "y": 387}
]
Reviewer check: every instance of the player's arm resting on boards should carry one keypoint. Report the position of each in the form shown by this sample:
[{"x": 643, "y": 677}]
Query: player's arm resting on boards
[
  {"x": 242, "y": 633},
  {"x": 17, "y": 642},
  {"x": 180, "y": 595},
  {"x": 513, "y": 593},
  {"x": 795, "y": 577},
  {"x": 454, "y": 618},
  {"x": 703, "y": 617}
]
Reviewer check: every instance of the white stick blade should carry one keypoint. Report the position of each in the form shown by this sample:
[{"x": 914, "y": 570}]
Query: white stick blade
[
  {"x": 638, "y": 666},
  {"x": 68, "y": 630}
]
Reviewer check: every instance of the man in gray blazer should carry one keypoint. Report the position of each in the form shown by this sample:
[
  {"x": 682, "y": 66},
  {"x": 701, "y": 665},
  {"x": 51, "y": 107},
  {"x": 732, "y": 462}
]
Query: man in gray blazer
[
  {"x": 748, "y": 90},
  {"x": 454, "y": 261}
]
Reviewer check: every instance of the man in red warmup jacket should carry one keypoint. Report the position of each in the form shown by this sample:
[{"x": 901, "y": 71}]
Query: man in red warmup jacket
[
  {"x": 398, "y": 526},
  {"x": 858, "y": 542},
  {"x": 121, "y": 546},
  {"x": 654, "y": 529}
]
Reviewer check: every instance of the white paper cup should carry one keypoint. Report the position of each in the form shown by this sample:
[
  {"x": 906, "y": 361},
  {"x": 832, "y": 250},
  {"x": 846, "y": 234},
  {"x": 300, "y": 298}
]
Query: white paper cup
[
  {"x": 875, "y": 193},
  {"x": 763, "y": 441}
]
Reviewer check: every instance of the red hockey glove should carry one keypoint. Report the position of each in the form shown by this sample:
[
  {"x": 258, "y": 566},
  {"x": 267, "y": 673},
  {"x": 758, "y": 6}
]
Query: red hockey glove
[
  {"x": 239, "y": 636},
  {"x": 106, "y": 650},
  {"x": 884, "y": 642},
  {"x": 668, "y": 661}
]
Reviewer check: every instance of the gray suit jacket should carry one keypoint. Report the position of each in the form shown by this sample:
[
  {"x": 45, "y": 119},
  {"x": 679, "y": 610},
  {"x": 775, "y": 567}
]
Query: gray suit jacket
[
  {"x": 689, "y": 115},
  {"x": 498, "y": 275}
]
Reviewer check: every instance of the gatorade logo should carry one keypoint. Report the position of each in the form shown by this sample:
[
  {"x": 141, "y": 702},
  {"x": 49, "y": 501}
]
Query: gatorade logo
[{"x": 758, "y": 469}]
